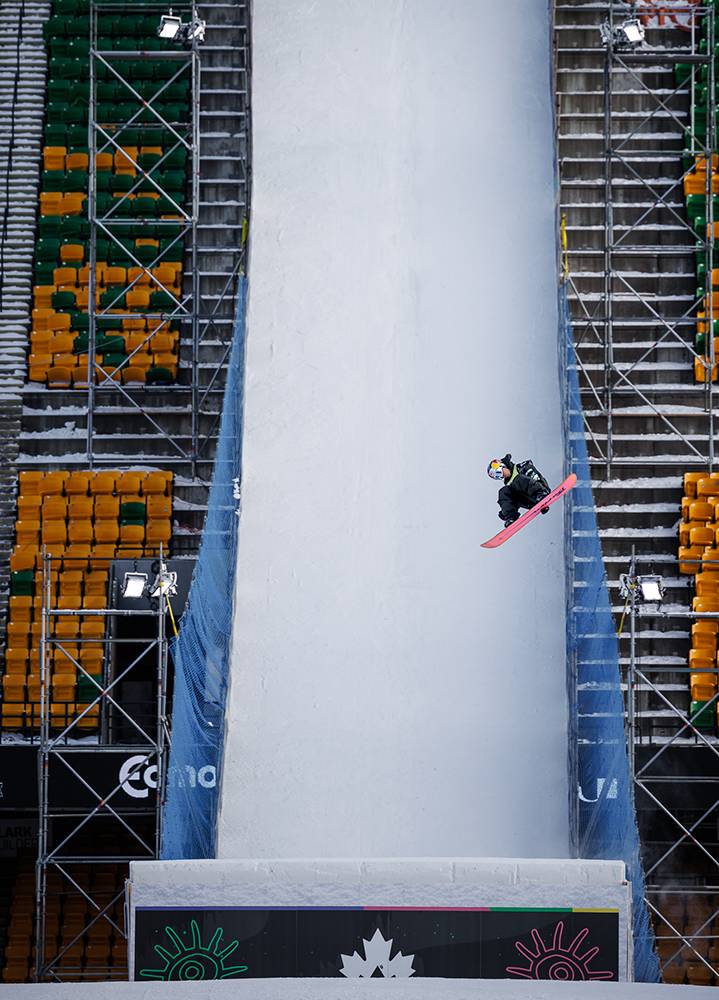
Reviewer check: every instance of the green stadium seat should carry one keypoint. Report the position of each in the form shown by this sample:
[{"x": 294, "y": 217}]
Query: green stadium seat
[
  {"x": 112, "y": 298},
  {"x": 44, "y": 273},
  {"x": 63, "y": 300},
  {"x": 706, "y": 714},
  {"x": 132, "y": 513},
  {"x": 21, "y": 583},
  {"x": 173, "y": 180},
  {"x": 58, "y": 90},
  {"x": 52, "y": 180},
  {"x": 76, "y": 136},
  {"x": 75, "y": 180},
  {"x": 56, "y": 135},
  {"x": 121, "y": 183},
  {"x": 73, "y": 227},
  {"x": 47, "y": 249},
  {"x": 110, "y": 345},
  {"x": 49, "y": 226},
  {"x": 74, "y": 114},
  {"x": 79, "y": 48},
  {"x": 144, "y": 207},
  {"x": 162, "y": 301},
  {"x": 105, "y": 323},
  {"x": 113, "y": 360},
  {"x": 56, "y": 27},
  {"x": 80, "y": 92},
  {"x": 79, "y": 26},
  {"x": 159, "y": 376},
  {"x": 120, "y": 255}
]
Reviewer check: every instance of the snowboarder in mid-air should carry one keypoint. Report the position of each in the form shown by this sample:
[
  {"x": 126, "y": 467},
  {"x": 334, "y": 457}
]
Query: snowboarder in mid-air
[{"x": 524, "y": 486}]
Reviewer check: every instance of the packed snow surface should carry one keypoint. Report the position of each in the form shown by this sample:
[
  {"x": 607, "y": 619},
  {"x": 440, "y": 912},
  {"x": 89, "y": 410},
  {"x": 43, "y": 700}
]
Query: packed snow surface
[{"x": 395, "y": 689}]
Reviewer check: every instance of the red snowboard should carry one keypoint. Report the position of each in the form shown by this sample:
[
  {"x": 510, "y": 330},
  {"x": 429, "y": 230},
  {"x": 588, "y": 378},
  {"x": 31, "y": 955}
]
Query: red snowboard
[{"x": 529, "y": 515}]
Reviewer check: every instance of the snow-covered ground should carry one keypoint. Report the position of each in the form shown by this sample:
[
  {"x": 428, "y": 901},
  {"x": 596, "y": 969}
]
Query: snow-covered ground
[{"x": 395, "y": 689}]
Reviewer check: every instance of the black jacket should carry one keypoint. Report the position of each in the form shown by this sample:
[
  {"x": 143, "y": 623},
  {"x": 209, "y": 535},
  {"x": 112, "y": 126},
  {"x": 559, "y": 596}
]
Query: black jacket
[{"x": 518, "y": 491}]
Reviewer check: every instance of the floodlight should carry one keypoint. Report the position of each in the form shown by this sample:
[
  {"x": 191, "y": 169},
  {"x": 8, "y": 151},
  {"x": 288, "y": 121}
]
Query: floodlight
[
  {"x": 196, "y": 30},
  {"x": 166, "y": 583},
  {"x": 169, "y": 26},
  {"x": 134, "y": 585},
  {"x": 631, "y": 32},
  {"x": 627, "y": 35},
  {"x": 650, "y": 588}
]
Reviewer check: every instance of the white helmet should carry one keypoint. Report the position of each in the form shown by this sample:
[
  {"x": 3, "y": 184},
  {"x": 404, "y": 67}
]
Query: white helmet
[{"x": 494, "y": 469}]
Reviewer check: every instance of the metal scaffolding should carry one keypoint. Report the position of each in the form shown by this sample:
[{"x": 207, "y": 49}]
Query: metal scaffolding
[
  {"x": 613, "y": 386},
  {"x": 175, "y": 229},
  {"x": 674, "y": 777},
  {"x": 102, "y": 769},
  {"x": 686, "y": 798}
]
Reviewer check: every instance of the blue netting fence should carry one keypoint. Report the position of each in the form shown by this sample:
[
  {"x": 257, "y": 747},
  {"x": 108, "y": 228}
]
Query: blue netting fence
[
  {"x": 601, "y": 794},
  {"x": 200, "y": 652}
]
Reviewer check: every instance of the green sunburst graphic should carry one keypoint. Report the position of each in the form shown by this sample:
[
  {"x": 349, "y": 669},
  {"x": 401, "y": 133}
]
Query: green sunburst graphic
[{"x": 194, "y": 962}]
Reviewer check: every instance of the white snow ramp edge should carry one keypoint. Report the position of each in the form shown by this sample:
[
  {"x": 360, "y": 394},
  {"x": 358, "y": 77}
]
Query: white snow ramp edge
[{"x": 395, "y": 689}]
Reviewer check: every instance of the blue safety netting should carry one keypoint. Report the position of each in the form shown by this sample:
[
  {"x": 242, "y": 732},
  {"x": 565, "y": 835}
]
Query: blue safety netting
[
  {"x": 200, "y": 652},
  {"x": 601, "y": 794}
]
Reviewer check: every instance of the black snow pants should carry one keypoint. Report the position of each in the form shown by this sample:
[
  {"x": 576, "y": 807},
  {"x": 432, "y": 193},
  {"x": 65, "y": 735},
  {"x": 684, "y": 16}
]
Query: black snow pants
[{"x": 523, "y": 492}]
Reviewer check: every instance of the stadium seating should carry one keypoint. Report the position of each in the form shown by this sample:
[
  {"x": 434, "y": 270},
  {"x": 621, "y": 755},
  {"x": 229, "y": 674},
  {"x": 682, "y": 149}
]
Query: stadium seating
[{"x": 84, "y": 519}]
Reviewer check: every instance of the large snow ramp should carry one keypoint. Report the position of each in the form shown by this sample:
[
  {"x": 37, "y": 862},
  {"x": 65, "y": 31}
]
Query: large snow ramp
[{"x": 395, "y": 690}]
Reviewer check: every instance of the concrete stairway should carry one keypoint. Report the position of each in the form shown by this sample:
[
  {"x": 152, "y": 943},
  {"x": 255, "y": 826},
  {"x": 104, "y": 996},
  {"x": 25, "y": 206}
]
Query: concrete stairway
[
  {"x": 23, "y": 72},
  {"x": 637, "y": 496}
]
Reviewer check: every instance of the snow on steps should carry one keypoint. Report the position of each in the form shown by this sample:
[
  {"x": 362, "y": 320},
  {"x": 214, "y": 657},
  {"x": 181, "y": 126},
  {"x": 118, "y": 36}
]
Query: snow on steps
[{"x": 23, "y": 73}]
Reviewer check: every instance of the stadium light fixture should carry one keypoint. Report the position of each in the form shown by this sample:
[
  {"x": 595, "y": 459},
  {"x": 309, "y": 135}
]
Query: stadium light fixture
[
  {"x": 134, "y": 585},
  {"x": 171, "y": 27},
  {"x": 626, "y": 35},
  {"x": 651, "y": 589}
]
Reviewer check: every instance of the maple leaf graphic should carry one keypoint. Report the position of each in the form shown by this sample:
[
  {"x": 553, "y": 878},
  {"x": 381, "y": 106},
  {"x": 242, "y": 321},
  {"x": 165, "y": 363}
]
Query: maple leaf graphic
[{"x": 377, "y": 958}]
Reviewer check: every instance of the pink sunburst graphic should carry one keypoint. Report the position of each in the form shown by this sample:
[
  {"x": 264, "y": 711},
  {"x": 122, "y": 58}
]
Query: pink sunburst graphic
[{"x": 557, "y": 962}]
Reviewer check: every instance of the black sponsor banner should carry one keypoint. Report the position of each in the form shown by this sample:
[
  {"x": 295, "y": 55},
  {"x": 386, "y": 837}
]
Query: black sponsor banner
[
  {"x": 125, "y": 780},
  {"x": 71, "y": 771},
  {"x": 232, "y": 943},
  {"x": 18, "y": 778}
]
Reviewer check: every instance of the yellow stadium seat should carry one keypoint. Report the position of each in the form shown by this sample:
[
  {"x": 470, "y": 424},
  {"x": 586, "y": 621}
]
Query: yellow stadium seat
[
  {"x": 50, "y": 203},
  {"x": 103, "y": 485},
  {"x": 80, "y": 507},
  {"x": 77, "y": 555},
  {"x": 20, "y": 609},
  {"x": 53, "y": 157},
  {"x": 53, "y": 483},
  {"x": 77, "y": 484},
  {"x": 129, "y": 484},
  {"x": 80, "y": 531},
  {"x": 27, "y": 532},
  {"x": 96, "y": 584},
  {"x": 101, "y": 556},
  {"x": 76, "y": 161},
  {"x": 13, "y": 716},
  {"x": 13, "y": 687},
  {"x": 71, "y": 203},
  {"x": 59, "y": 378},
  {"x": 158, "y": 531},
  {"x": 107, "y": 532},
  {"x": 54, "y": 508},
  {"x": 54, "y": 532},
  {"x": 133, "y": 534},
  {"x": 63, "y": 687},
  {"x": 38, "y": 367},
  {"x": 89, "y": 719},
  {"x": 705, "y": 605},
  {"x": 30, "y": 483}
]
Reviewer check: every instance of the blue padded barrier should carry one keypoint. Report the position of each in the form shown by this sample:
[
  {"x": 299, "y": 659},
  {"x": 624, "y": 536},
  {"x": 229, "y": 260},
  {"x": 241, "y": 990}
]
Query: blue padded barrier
[
  {"x": 603, "y": 820},
  {"x": 201, "y": 650}
]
